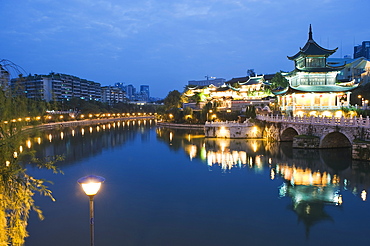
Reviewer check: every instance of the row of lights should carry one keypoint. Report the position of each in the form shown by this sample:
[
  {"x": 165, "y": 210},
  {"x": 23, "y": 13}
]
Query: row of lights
[
  {"x": 49, "y": 117},
  {"x": 116, "y": 115},
  {"x": 91, "y": 129},
  {"x": 38, "y": 140}
]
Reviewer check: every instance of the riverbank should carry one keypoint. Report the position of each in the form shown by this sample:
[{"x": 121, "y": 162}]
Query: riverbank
[{"x": 84, "y": 122}]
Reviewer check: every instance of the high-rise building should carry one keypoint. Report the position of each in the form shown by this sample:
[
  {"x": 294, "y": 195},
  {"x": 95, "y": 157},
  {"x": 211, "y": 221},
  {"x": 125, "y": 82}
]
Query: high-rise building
[
  {"x": 362, "y": 50},
  {"x": 130, "y": 92},
  {"x": 144, "y": 90}
]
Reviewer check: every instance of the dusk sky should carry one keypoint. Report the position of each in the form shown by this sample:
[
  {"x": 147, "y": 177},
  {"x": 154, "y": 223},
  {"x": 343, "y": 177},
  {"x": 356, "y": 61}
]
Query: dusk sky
[{"x": 166, "y": 43}]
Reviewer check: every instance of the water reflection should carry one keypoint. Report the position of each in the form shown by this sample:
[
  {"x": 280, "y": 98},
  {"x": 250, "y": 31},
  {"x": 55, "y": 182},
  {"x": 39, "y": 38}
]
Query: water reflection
[
  {"x": 17, "y": 187},
  {"x": 311, "y": 179},
  {"x": 78, "y": 142}
]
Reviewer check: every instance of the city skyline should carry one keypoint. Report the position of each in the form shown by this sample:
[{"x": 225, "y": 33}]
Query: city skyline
[{"x": 165, "y": 44}]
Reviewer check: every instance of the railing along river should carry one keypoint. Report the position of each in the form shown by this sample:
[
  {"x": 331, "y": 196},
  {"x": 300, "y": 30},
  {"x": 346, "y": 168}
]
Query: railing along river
[{"x": 348, "y": 122}]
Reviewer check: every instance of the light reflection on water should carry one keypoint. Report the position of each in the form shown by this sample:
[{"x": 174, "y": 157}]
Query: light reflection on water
[{"x": 175, "y": 187}]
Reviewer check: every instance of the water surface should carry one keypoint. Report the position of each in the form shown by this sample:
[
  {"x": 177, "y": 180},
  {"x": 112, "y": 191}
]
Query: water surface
[{"x": 172, "y": 187}]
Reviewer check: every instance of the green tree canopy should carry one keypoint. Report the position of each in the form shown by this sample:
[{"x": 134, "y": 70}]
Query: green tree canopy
[
  {"x": 279, "y": 81},
  {"x": 173, "y": 100}
]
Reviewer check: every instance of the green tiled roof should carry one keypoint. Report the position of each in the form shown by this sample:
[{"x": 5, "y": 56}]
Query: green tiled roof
[
  {"x": 318, "y": 69},
  {"x": 314, "y": 88}
]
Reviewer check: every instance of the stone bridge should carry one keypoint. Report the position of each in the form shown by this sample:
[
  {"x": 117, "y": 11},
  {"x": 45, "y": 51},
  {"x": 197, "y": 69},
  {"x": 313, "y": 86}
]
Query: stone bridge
[{"x": 316, "y": 132}]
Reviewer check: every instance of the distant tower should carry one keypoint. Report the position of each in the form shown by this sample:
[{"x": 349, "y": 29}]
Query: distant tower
[
  {"x": 130, "y": 92},
  {"x": 145, "y": 89},
  {"x": 362, "y": 50}
]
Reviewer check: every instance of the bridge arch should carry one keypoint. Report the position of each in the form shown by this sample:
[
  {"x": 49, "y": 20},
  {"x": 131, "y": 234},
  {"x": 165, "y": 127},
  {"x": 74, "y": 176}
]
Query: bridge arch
[
  {"x": 288, "y": 134},
  {"x": 335, "y": 140}
]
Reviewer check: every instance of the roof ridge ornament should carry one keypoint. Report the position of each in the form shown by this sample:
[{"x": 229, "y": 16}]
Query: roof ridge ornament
[{"x": 310, "y": 33}]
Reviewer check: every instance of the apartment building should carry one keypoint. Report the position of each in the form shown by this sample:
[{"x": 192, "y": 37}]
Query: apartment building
[{"x": 56, "y": 87}]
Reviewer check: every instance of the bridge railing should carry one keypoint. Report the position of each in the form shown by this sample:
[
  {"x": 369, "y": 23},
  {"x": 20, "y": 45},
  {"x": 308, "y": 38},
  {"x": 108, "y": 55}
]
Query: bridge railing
[
  {"x": 333, "y": 121},
  {"x": 226, "y": 123}
]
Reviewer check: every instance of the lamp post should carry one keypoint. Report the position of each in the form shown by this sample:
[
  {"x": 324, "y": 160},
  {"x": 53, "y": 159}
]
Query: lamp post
[
  {"x": 361, "y": 100},
  {"x": 91, "y": 185},
  {"x": 209, "y": 112}
]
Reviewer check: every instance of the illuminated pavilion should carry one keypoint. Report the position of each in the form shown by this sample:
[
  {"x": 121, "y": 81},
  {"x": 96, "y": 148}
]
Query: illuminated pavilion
[
  {"x": 232, "y": 94},
  {"x": 313, "y": 88}
]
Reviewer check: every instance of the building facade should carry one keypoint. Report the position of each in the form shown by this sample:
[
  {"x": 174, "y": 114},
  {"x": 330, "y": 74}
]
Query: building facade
[
  {"x": 112, "y": 94},
  {"x": 4, "y": 77},
  {"x": 356, "y": 70}
]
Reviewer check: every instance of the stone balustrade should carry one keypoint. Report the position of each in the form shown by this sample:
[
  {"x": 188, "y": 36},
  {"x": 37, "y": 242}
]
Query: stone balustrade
[
  {"x": 226, "y": 123},
  {"x": 348, "y": 122}
]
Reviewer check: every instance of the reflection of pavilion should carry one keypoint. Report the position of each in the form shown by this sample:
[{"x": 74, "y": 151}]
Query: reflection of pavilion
[
  {"x": 308, "y": 202},
  {"x": 327, "y": 171},
  {"x": 228, "y": 153},
  {"x": 310, "y": 191}
]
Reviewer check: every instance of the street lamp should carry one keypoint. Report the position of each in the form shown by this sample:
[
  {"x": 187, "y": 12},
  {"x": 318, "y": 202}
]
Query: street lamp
[
  {"x": 209, "y": 112},
  {"x": 361, "y": 100},
  {"x": 91, "y": 185}
]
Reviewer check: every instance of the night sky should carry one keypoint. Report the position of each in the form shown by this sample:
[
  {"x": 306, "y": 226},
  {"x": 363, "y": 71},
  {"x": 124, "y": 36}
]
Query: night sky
[{"x": 166, "y": 43}]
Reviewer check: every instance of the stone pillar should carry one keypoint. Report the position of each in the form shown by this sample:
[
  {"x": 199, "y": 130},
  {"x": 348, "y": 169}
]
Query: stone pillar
[
  {"x": 293, "y": 103},
  {"x": 348, "y": 98},
  {"x": 330, "y": 100},
  {"x": 313, "y": 96}
]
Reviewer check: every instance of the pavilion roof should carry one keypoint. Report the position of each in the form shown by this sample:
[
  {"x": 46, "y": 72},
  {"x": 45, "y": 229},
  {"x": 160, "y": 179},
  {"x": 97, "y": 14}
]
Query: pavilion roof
[
  {"x": 311, "y": 48},
  {"x": 247, "y": 80},
  {"x": 317, "y": 69},
  {"x": 238, "y": 80},
  {"x": 226, "y": 88}
]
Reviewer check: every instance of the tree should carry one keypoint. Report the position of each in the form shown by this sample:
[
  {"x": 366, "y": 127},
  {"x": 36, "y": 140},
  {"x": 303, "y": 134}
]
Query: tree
[
  {"x": 279, "y": 81},
  {"x": 17, "y": 188},
  {"x": 173, "y": 100},
  {"x": 251, "y": 73}
]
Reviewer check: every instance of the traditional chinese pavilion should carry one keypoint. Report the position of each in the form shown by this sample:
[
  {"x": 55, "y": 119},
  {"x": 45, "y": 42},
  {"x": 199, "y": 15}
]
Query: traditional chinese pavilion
[
  {"x": 313, "y": 86},
  {"x": 235, "y": 93}
]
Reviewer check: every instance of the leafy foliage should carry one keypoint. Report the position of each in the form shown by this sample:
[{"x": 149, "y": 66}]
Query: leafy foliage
[
  {"x": 173, "y": 100},
  {"x": 279, "y": 81},
  {"x": 17, "y": 187}
]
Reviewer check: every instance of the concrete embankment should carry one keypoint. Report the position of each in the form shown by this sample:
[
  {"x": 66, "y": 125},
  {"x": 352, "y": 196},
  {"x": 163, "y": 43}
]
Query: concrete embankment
[{"x": 181, "y": 126}]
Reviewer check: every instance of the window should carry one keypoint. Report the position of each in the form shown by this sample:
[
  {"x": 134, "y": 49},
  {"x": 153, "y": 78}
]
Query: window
[{"x": 315, "y": 62}]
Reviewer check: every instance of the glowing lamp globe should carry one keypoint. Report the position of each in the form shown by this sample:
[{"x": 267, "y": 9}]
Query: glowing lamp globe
[{"x": 91, "y": 184}]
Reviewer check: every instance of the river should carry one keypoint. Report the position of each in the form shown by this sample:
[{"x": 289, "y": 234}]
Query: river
[{"x": 176, "y": 187}]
